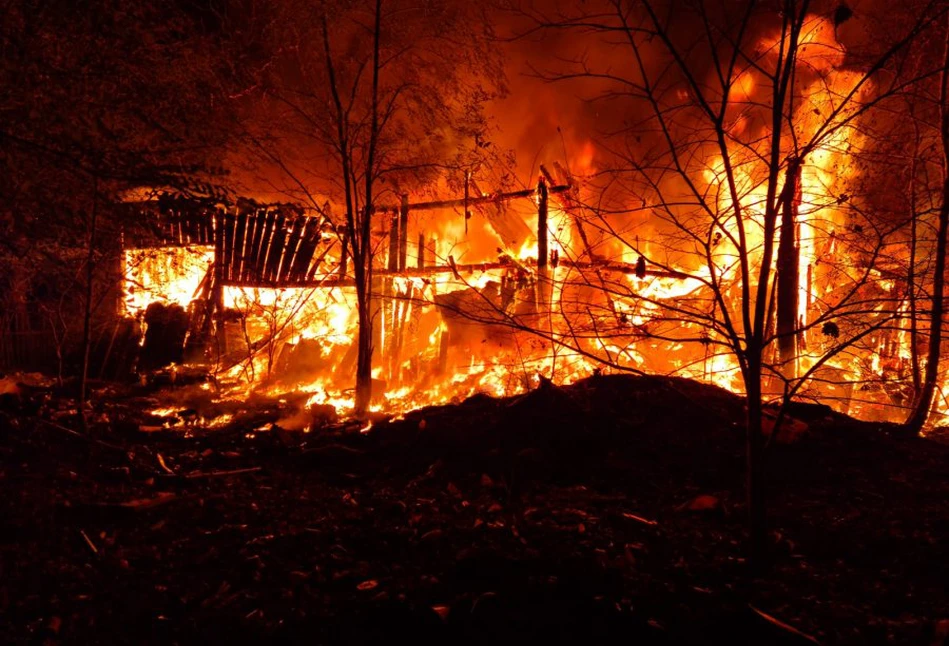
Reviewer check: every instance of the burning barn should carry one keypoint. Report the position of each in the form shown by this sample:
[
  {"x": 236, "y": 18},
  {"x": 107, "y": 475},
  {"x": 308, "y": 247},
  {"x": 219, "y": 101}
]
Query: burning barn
[
  {"x": 486, "y": 291},
  {"x": 709, "y": 247},
  {"x": 263, "y": 296}
]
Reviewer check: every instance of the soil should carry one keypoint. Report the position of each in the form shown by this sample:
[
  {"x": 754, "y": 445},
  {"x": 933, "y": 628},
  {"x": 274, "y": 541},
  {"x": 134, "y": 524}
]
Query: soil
[{"x": 608, "y": 511}]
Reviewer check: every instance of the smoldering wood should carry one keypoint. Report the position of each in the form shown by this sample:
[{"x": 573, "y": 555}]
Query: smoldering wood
[
  {"x": 286, "y": 247},
  {"x": 217, "y": 286},
  {"x": 386, "y": 307},
  {"x": 329, "y": 246},
  {"x": 453, "y": 266}
]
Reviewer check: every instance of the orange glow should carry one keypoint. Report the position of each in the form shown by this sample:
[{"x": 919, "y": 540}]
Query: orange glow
[{"x": 503, "y": 339}]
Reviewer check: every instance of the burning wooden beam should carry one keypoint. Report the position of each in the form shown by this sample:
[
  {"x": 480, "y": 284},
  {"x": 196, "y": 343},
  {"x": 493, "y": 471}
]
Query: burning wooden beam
[
  {"x": 543, "y": 284},
  {"x": 473, "y": 201}
]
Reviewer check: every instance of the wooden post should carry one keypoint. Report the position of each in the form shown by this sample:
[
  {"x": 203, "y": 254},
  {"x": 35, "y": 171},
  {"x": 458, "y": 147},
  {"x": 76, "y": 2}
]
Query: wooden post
[
  {"x": 382, "y": 326},
  {"x": 227, "y": 256},
  {"x": 543, "y": 286},
  {"x": 377, "y": 315},
  {"x": 217, "y": 285},
  {"x": 343, "y": 256},
  {"x": 394, "y": 242},
  {"x": 421, "y": 251},
  {"x": 240, "y": 233},
  {"x": 403, "y": 231}
]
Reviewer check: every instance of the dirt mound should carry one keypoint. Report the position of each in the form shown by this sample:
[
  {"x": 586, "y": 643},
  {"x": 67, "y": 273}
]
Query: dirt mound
[{"x": 608, "y": 510}]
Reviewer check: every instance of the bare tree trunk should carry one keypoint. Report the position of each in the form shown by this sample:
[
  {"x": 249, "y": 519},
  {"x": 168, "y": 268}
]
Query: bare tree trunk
[
  {"x": 358, "y": 220},
  {"x": 364, "y": 345},
  {"x": 363, "y": 273},
  {"x": 754, "y": 460},
  {"x": 911, "y": 272},
  {"x": 87, "y": 306},
  {"x": 924, "y": 401}
]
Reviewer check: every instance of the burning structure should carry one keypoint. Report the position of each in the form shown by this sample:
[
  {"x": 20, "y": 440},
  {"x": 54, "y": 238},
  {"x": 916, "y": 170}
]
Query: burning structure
[
  {"x": 736, "y": 227},
  {"x": 566, "y": 282},
  {"x": 269, "y": 296}
]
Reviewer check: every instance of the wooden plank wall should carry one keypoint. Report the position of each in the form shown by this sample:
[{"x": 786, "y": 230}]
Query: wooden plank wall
[
  {"x": 269, "y": 247},
  {"x": 254, "y": 246}
]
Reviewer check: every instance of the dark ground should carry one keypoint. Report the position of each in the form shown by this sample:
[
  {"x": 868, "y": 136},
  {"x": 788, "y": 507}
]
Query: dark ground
[{"x": 559, "y": 516}]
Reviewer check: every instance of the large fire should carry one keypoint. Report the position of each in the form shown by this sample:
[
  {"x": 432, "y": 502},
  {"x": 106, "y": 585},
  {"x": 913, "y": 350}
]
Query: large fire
[{"x": 473, "y": 311}]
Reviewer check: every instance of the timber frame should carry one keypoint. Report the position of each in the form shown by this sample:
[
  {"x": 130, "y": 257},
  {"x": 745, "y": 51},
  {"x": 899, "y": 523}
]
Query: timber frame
[{"x": 283, "y": 245}]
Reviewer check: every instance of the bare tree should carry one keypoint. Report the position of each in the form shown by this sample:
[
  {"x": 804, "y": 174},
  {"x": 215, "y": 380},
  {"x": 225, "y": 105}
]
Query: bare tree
[
  {"x": 924, "y": 399},
  {"x": 737, "y": 130},
  {"x": 375, "y": 99}
]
